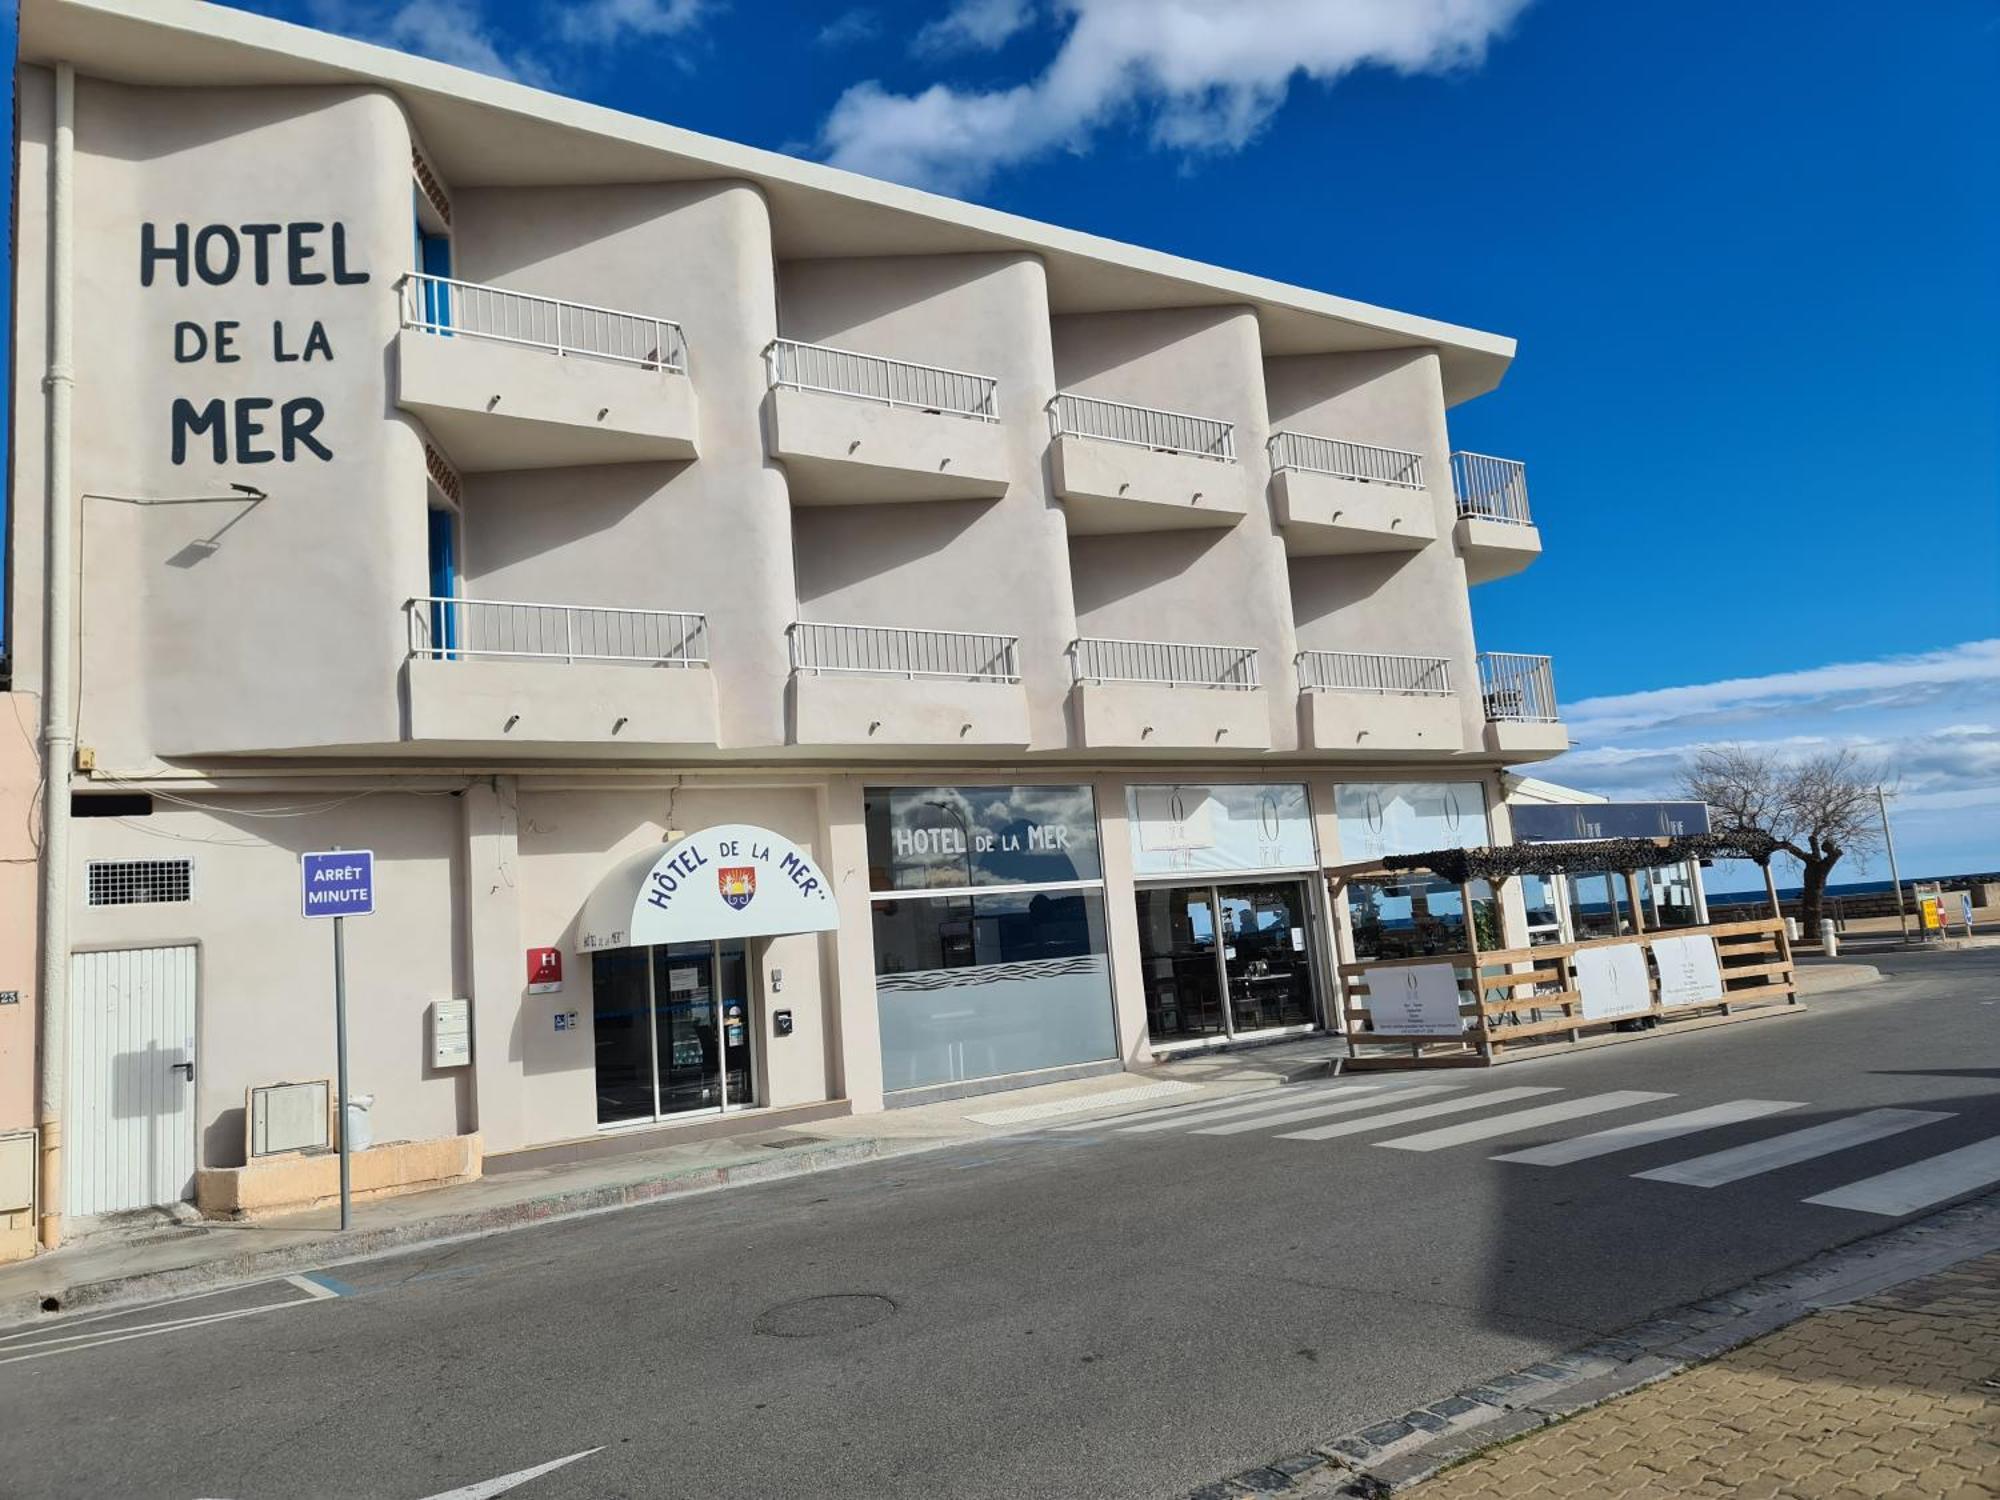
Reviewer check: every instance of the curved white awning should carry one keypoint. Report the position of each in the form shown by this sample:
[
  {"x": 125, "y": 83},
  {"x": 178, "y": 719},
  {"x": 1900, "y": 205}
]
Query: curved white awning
[{"x": 735, "y": 880}]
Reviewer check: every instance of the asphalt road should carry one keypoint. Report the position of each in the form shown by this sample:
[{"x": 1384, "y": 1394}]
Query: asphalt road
[{"x": 1100, "y": 1311}]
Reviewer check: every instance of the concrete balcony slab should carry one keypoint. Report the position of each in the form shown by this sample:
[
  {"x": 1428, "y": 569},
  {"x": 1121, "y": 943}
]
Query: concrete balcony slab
[
  {"x": 1495, "y": 549},
  {"x": 1383, "y": 725},
  {"x": 1327, "y": 515},
  {"x": 496, "y": 405},
  {"x": 1519, "y": 740},
  {"x": 1156, "y": 716},
  {"x": 1110, "y": 487},
  {"x": 857, "y": 709},
  {"x": 486, "y": 700},
  {"x": 842, "y": 450}
]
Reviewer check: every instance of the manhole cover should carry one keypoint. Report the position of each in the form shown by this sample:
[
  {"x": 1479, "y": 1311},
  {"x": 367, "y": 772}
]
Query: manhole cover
[{"x": 815, "y": 1317}]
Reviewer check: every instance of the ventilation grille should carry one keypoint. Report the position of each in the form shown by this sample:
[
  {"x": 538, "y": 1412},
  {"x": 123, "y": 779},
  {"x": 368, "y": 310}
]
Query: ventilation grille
[
  {"x": 139, "y": 882},
  {"x": 433, "y": 190},
  {"x": 443, "y": 475}
]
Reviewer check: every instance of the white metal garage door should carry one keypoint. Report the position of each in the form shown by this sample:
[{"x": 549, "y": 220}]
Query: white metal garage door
[{"x": 129, "y": 1131}]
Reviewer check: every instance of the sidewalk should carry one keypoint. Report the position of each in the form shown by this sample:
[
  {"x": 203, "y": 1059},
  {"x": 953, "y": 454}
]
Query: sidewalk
[
  {"x": 1897, "y": 1396},
  {"x": 161, "y": 1258}
]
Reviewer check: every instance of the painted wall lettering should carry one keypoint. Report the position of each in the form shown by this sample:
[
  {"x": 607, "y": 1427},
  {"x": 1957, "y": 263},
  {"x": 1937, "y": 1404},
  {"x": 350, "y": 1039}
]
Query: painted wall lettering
[{"x": 247, "y": 429}]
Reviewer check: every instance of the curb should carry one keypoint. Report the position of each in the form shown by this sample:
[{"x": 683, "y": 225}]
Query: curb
[
  {"x": 1391, "y": 1456},
  {"x": 333, "y": 1248}
]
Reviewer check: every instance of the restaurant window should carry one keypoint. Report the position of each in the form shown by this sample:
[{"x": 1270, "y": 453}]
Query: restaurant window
[
  {"x": 1418, "y": 918},
  {"x": 990, "y": 953}
]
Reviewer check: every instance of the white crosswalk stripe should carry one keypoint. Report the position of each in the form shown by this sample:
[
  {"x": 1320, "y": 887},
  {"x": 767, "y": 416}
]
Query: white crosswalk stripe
[
  {"x": 1758, "y": 1157},
  {"x": 1522, "y": 1119},
  {"x": 1415, "y": 1112},
  {"x": 1332, "y": 1107},
  {"x": 1921, "y": 1183},
  {"x": 1646, "y": 1132},
  {"x": 1269, "y": 1101}
]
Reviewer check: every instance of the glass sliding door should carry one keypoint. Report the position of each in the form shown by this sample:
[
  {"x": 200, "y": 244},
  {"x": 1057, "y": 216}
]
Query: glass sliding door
[
  {"x": 1226, "y": 960},
  {"x": 674, "y": 1033},
  {"x": 1177, "y": 951},
  {"x": 1265, "y": 957}
]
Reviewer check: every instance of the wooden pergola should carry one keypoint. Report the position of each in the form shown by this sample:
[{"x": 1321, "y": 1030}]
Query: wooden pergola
[{"x": 1754, "y": 957}]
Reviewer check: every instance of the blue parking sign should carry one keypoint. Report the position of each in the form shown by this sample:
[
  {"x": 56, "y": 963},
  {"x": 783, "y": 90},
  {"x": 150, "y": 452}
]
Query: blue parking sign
[{"x": 338, "y": 884}]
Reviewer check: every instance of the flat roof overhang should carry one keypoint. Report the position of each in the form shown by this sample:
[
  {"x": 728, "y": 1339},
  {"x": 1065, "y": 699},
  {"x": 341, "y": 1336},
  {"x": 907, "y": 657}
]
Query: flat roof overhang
[{"x": 486, "y": 132}]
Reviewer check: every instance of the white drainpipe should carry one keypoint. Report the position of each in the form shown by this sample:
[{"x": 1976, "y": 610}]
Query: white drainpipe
[{"x": 58, "y": 729}]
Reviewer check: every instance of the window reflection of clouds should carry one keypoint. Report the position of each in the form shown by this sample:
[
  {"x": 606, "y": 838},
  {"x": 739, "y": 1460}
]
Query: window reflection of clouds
[{"x": 968, "y": 817}]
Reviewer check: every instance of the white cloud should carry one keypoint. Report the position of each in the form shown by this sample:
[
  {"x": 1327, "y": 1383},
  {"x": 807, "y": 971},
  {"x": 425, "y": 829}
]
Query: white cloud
[
  {"x": 849, "y": 27},
  {"x": 451, "y": 31},
  {"x": 1206, "y": 75},
  {"x": 974, "y": 26},
  {"x": 608, "y": 22},
  {"x": 1968, "y": 670}
]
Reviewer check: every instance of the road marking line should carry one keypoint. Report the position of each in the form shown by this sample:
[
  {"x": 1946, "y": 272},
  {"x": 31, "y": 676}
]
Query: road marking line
[
  {"x": 487, "y": 1488},
  {"x": 1920, "y": 1184},
  {"x": 1189, "y": 1107},
  {"x": 1268, "y": 1101},
  {"x": 1417, "y": 1112},
  {"x": 120, "y": 1336},
  {"x": 1786, "y": 1150},
  {"x": 1080, "y": 1103},
  {"x": 1314, "y": 1111},
  {"x": 312, "y": 1284},
  {"x": 1522, "y": 1119},
  {"x": 1627, "y": 1137}
]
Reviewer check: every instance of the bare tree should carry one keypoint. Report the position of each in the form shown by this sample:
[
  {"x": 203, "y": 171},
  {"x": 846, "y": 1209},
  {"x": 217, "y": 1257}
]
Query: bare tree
[{"x": 1818, "y": 809}]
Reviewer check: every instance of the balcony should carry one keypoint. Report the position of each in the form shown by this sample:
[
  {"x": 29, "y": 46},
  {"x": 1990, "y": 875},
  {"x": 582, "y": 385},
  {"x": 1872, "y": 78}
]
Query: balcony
[
  {"x": 1336, "y": 497},
  {"x": 1378, "y": 706},
  {"x": 890, "y": 687},
  {"x": 491, "y": 671},
  {"x": 857, "y": 429},
  {"x": 1494, "y": 534},
  {"x": 1168, "y": 695},
  {"x": 1519, "y": 694},
  {"x": 506, "y": 380},
  {"x": 1125, "y": 468}
]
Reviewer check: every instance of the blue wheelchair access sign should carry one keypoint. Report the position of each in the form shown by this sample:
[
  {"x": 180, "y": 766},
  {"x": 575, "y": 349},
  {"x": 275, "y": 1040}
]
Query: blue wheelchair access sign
[{"x": 338, "y": 884}]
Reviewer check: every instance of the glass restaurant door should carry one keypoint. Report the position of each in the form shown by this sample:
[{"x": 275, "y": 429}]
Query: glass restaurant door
[
  {"x": 1226, "y": 959},
  {"x": 673, "y": 1031}
]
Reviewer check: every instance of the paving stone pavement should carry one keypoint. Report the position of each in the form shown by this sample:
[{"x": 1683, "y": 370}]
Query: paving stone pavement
[{"x": 1895, "y": 1396}]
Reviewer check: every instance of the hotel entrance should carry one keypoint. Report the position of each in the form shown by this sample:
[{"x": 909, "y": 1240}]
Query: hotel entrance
[
  {"x": 673, "y": 1031},
  {"x": 675, "y": 937},
  {"x": 1226, "y": 960}
]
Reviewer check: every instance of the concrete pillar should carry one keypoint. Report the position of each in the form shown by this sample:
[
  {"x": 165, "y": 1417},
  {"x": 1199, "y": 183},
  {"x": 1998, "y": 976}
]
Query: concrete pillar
[
  {"x": 495, "y": 962},
  {"x": 855, "y": 1028},
  {"x": 1121, "y": 923}
]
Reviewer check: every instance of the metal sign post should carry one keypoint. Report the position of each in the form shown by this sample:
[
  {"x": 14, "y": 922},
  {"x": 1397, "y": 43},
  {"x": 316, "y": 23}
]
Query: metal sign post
[{"x": 339, "y": 884}]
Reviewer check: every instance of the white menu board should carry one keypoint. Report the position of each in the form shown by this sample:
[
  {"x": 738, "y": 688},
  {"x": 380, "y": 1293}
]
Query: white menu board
[
  {"x": 1613, "y": 981},
  {"x": 1690, "y": 971},
  {"x": 1414, "y": 1000}
]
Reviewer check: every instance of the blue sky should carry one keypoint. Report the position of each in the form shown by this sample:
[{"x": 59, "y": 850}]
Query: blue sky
[{"x": 1747, "y": 251}]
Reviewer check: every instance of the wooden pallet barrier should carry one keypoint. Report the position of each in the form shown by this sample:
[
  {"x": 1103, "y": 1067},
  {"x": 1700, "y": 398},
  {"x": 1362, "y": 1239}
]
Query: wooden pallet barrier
[{"x": 1560, "y": 993}]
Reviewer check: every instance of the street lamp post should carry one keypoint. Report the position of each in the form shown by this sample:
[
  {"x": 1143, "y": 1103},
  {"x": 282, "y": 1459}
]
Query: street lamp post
[{"x": 1895, "y": 879}]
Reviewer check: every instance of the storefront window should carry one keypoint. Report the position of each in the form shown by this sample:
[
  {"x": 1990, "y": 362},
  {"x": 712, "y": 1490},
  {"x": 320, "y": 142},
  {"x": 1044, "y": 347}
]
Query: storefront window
[
  {"x": 1598, "y": 905},
  {"x": 1538, "y": 902},
  {"x": 1418, "y": 918},
  {"x": 1007, "y": 973},
  {"x": 1179, "y": 829},
  {"x": 1409, "y": 817},
  {"x": 1672, "y": 905}
]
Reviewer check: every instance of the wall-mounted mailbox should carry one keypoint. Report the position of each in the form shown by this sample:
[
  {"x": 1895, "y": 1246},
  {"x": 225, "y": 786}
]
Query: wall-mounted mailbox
[
  {"x": 781, "y": 1022},
  {"x": 451, "y": 1033}
]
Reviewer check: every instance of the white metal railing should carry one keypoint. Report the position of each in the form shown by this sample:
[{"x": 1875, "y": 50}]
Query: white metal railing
[
  {"x": 890, "y": 651},
  {"x": 465, "y": 309},
  {"x": 1320, "y": 455},
  {"x": 1142, "y": 427},
  {"x": 444, "y": 629},
  {"x": 1517, "y": 689},
  {"x": 1495, "y": 489},
  {"x": 1170, "y": 663},
  {"x": 890, "y": 382},
  {"x": 1365, "y": 672}
]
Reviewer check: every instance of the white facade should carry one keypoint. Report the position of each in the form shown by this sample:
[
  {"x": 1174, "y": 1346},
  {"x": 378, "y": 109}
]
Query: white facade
[{"x": 515, "y": 489}]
